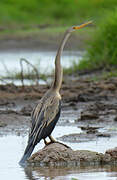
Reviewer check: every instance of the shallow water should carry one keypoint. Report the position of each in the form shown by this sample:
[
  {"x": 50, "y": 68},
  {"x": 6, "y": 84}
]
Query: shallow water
[
  {"x": 12, "y": 148},
  {"x": 45, "y": 60}
]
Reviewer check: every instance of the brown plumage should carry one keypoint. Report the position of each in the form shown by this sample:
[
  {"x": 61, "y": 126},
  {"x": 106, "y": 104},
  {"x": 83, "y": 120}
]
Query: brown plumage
[{"x": 46, "y": 114}]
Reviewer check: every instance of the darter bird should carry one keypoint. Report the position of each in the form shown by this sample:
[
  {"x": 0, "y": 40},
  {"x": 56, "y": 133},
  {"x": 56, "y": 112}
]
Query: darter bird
[{"x": 47, "y": 112}]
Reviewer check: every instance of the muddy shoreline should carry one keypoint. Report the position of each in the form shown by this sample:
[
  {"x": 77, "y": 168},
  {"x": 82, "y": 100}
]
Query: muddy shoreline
[
  {"x": 41, "y": 42},
  {"x": 89, "y": 105}
]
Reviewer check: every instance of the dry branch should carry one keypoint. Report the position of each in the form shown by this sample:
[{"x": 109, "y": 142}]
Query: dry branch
[{"x": 22, "y": 72}]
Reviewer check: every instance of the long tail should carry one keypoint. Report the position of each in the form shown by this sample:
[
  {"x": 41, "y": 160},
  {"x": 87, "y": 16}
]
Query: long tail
[{"x": 27, "y": 153}]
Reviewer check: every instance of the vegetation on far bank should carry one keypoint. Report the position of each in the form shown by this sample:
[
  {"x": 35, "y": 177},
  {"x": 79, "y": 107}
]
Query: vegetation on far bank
[
  {"x": 45, "y": 12},
  {"x": 102, "y": 52},
  {"x": 21, "y": 18}
]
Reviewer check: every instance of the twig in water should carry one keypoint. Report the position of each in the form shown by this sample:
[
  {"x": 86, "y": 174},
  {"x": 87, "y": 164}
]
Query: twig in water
[{"x": 34, "y": 68}]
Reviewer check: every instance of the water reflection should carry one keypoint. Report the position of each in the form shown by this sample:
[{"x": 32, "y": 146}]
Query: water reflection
[
  {"x": 12, "y": 148},
  {"x": 81, "y": 173},
  {"x": 35, "y": 173},
  {"x": 29, "y": 174}
]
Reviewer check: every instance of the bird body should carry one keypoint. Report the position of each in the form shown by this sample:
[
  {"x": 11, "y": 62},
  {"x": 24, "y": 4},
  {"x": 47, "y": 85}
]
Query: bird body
[
  {"x": 47, "y": 112},
  {"x": 44, "y": 118},
  {"x": 44, "y": 114}
]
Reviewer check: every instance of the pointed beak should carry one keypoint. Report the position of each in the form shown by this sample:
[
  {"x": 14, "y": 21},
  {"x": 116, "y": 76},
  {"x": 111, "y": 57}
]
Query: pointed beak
[{"x": 82, "y": 25}]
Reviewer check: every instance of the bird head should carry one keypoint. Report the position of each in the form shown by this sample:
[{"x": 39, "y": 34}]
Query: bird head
[{"x": 74, "y": 28}]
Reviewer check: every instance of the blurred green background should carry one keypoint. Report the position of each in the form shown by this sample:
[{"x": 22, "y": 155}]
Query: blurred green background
[
  {"x": 30, "y": 16},
  {"x": 17, "y": 13}
]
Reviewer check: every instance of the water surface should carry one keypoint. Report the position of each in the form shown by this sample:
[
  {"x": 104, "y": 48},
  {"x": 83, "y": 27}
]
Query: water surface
[
  {"x": 12, "y": 148},
  {"x": 44, "y": 60}
]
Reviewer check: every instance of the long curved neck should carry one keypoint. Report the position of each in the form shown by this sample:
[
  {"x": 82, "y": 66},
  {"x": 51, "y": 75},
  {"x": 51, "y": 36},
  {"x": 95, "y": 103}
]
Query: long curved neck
[{"x": 58, "y": 68}]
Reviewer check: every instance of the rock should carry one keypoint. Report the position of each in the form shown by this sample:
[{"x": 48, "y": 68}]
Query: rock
[
  {"x": 8, "y": 111},
  {"x": 110, "y": 156},
  {"x": 56, "y": 154},
  {"x": 115, "y": 119},
  {"x": 89, "y": 129},
  {"x": 26, "y": 110},
  {"x": 87, "y": 115},
  {"x": 112, "y": 153},
  {"x": 78, "y": 137},
  {"x": 83, "y": 98},
  {"x": 103, "y": 135},
  {"x": 109, "y": 86},
  {"x": 2, "y": 124}
]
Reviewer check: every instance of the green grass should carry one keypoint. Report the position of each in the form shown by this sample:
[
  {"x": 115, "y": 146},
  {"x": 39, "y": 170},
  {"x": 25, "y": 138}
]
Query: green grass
[
  {"x": 23, "y": 18},
  {"x": 102, "y": 52},
  {"x": 32, "y": 32},
  {"x": 17, "y": 13},
  {"x": 72, "y": 69},
  {"x": 26, "y": 76},
  {"x": 104, "y": 75},
  {"x": 30, "y": 73},
  {"x": 29, "y": 76}
]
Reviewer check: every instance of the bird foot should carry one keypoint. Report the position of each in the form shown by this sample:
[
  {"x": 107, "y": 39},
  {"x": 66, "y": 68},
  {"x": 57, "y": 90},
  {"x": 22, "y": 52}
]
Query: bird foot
[
  {"x": 52, "y": 140},
  {"x": 63, "y": 144},
  {"x": 48, "y": 143}
]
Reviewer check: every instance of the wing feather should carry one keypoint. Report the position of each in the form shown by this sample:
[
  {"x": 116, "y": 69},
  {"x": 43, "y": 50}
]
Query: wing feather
[
  {"x": 42, "y": 116},
  {"x": 35, "y": 113}
]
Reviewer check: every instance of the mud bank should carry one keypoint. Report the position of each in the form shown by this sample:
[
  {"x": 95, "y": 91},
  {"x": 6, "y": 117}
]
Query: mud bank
[
  {"x": 41, "y": 42},
  {"x": 85, "y": 103},
  {"x": 57, "y": 154}
]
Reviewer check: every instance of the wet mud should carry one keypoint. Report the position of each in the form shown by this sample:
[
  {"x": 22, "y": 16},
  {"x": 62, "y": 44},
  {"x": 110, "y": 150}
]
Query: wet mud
[
  {"x": 41, "y": 41},
  {"x": 89, "y": 105}
]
